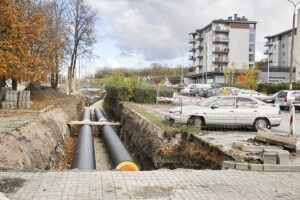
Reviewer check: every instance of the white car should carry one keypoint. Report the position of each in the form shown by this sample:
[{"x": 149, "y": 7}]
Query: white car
[
  {"x": 228, "y": 111},
  {"x": 285, "y": 98},
  {"x": 250, "y": 93}
]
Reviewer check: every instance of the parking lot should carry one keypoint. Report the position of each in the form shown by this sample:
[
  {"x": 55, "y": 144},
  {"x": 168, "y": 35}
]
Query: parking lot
[{"x": 162, "y": 109}]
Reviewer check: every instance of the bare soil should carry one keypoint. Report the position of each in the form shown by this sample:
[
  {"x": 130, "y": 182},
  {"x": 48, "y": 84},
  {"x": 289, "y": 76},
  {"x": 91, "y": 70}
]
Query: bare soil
[{"x": 65, "y": 160}]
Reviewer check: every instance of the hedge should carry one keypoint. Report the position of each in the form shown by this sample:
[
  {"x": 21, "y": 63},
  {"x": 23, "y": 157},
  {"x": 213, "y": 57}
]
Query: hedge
[
  {"x": 140, "y": 94},
  {"x": 271, "y": 88}
]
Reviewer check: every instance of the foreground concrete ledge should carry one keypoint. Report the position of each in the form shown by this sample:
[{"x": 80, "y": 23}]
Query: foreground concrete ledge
[{"x": 260, "y": 167}]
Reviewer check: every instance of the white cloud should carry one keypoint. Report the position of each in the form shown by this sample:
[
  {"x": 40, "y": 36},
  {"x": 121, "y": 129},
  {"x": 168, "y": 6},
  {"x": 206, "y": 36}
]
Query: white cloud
[
  {"x": 158, "y": 29},
  {"x": 112, "y": 63}
]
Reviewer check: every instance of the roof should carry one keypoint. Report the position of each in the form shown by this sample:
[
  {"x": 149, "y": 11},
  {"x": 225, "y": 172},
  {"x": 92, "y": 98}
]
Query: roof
[
  {"x": 281, "y": 33},
  {"x": 226, "y": 21}
]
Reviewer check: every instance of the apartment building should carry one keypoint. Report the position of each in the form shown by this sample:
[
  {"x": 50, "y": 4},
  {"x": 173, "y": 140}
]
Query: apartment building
[
  {"x": 278, "y": 51},
  {"x": 220, "y": 45}
]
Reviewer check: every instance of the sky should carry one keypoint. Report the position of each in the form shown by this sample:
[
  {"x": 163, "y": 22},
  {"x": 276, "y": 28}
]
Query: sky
[{"x": 136, "y": 33}]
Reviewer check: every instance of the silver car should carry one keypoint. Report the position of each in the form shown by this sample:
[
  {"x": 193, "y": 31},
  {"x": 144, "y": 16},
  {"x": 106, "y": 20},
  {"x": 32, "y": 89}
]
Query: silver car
[
  {"x": 229, "y": 111},
  {"x": 285, "y": 98}
]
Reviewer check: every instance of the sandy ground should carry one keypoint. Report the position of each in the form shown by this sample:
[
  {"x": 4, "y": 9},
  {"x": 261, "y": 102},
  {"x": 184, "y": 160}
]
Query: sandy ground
[
  {"x": 10, "y": 121},
  {"x": 102, "y": 159}
]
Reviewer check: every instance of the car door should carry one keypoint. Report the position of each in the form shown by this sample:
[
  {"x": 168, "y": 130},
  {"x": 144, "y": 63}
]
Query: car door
[
  {"x": 246, "y": 111},
  {"x": 221, "y": 113}
]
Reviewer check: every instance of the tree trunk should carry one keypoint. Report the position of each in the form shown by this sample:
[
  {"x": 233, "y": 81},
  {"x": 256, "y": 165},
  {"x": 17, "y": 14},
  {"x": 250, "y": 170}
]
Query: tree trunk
[
  {"x": 2, "y": 82},
  {"x": 56, "y": 81},
  {"x": 14, "y": 84},
  {"x": 52, "y": 80}
]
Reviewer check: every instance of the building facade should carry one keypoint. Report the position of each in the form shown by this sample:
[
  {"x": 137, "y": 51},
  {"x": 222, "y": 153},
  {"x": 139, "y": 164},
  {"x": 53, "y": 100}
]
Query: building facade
[
  {"x": 279, "y": 52},
  {"x": 220, "y": 45}
]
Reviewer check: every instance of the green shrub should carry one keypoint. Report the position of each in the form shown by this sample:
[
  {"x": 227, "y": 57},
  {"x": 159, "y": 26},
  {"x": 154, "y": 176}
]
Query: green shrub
[
  {"x": 271, "y": 88},
  {"x": 117, "y": 92},
  {"x": 144, "y": 95}
]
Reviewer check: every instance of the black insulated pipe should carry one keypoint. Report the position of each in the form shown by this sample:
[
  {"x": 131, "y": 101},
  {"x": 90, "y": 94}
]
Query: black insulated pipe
[
  {"x": 119, "y": 156},
  {"x": 84, "y": 156}
]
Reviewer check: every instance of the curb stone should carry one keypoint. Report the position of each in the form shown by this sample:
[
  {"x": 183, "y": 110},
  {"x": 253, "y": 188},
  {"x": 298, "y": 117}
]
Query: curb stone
[
  {"x": 242, "y": 166},
  {"x": 261, "y": 167}
]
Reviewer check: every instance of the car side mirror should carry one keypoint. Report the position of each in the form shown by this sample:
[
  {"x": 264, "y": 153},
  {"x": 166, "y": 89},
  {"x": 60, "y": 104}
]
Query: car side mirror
[{"x": 214, "y": 106}]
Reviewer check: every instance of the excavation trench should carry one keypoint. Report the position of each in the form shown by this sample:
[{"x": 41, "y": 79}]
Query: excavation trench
[
  {"x": 47, "y": 142},
  {"x": 154, "y": 148}
]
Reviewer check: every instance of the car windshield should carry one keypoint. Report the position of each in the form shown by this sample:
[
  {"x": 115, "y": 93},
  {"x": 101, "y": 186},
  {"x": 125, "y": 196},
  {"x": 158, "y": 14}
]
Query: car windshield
[{"x": 207, "y": 102}]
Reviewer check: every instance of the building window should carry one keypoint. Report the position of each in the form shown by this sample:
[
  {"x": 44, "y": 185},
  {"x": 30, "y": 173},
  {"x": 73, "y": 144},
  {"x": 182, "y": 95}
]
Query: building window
[
  {"x": 251, "y": 58},
  {"x": 251, "y": 65},
  {"x": 251, "y": 47},
  {"x": 283, "y": 54},
  {"x": 252, "y": 27},
  {"x": 252, "y": 38},
  {"x": 283, "y": 46}
]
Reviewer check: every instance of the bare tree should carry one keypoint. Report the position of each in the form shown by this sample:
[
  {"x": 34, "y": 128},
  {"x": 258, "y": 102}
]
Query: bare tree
[
  {"x": 55, "y": 13},
  {"x": 79, "y": 35}
]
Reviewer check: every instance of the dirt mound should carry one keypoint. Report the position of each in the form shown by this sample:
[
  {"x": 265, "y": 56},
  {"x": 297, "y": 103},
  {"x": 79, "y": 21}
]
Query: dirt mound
[{"x": 39, "y": 93}]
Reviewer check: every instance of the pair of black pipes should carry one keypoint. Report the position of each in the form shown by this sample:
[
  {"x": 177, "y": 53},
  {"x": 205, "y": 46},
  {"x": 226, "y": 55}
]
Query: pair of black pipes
[{"x": 84, "y": 158}]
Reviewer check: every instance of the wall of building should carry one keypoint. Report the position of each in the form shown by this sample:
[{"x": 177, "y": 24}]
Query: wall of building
[{"x": 239, "y": 47}]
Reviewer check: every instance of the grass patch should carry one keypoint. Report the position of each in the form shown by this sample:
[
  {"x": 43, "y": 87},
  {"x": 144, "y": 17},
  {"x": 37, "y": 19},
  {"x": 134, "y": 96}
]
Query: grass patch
[{"x": 164, "y": 124}]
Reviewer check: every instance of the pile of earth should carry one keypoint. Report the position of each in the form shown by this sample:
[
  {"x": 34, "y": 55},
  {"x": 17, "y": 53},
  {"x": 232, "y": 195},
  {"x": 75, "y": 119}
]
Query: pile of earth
[{"x": 39, "y": 93}]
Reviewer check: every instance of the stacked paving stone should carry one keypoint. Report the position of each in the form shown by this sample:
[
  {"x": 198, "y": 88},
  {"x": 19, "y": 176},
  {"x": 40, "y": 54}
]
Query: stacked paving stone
[
  {"x": 13, "y": 99},
  {"x": 24, "y": 99}
]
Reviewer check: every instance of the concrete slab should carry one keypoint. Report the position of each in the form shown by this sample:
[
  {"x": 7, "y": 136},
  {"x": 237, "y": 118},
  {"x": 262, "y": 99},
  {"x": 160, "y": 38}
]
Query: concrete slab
[
  {"x": 269, "y": 158},
  {"x": 281, "y": 168},
  {"x": 228, "y": 165},
  {"x": 256, "y": 167},
  {"x": 242, "y": 166}
]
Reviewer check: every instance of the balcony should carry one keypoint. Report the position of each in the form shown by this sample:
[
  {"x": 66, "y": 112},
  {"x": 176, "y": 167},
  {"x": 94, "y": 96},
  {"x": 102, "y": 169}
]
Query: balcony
[
  {"x": 268, "y": 52},
  {"x": 200, "y": 47},
  {"x": 220, "y": 60},
  {"x": 268, "y": 44},
  {"x": 219, "y": 70},
  {"x": 192, "y": 41},
  {"x": 192, "y": 50},
  {"x": 219, "y": 29},
  {"x": 200, "y": 56},
  {"x": 220, "y": 40},
  {"x": 192, "y": 58},
  {"x": 192, "y": 71},
  {"x": 200, "y": 38},
  {"x": 219, "y": 50}
]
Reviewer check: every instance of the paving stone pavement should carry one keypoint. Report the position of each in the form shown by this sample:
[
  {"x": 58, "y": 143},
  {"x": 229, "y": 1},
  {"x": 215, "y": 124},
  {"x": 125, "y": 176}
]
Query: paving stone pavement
[{"x": 160, "y": 184}]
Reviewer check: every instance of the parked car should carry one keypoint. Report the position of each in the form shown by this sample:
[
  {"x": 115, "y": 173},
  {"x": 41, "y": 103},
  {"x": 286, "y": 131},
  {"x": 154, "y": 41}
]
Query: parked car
[
  {"x": 168, "y": 84},
  {"x": 228, "y": 111},
  {"x": 228, "y": 90},
  {"x": 250, "y": 93},
  {"x": 192, "y": 89},
  {"x": 209, "y": 92},
  {"x": 285, "y": 98},
  {"x": 270, "y": 99}
]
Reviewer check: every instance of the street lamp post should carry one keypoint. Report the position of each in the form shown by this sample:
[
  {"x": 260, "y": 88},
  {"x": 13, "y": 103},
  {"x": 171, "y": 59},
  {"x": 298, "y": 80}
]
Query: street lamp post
[{"x": 292, "y": 48}]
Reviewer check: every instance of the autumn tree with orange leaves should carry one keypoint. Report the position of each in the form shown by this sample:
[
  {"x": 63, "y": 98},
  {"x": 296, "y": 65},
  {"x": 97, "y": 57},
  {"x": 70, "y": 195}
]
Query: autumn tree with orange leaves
[
  {"x": 19, "y": 32},
  {"x": 248, "y": 77},
  {"x": 32, "y": 47}
]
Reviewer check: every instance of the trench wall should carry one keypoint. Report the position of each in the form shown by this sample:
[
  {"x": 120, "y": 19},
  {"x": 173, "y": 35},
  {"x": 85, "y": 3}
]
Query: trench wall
[
  {"x": 38, "y": 143},
  {"x": 154, "y": 148}
]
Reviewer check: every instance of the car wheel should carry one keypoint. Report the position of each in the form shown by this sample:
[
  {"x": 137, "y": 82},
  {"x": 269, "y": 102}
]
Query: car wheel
[
  {"x": 260, "y": 123},
  {"x": 196, "y": 121}
]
